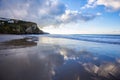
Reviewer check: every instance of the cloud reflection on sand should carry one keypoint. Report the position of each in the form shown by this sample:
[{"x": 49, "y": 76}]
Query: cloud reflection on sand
[
  {"x": 88, "y": 68},
  {"x": 55, "y": 59}
]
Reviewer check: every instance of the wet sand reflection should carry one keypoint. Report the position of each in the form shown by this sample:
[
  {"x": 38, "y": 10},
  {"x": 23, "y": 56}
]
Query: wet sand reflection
[
  {"x": 18, "y": 43},
  {"x": 37, "y": 59}
]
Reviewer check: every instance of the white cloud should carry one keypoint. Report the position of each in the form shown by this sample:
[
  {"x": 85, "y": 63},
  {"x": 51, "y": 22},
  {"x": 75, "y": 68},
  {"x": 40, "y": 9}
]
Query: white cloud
[
  {"x": 113, "y": 5},
  {"x": 90, "y": 4},
  {"x": 75, "y": 16},
  {"x": 98, "y": 13},
  {"x": 14, "y": 10},
  {"x": 43, "y": 12}
]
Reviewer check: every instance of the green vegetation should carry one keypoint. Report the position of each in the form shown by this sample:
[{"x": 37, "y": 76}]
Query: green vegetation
[{"x": 13, "y": 26}]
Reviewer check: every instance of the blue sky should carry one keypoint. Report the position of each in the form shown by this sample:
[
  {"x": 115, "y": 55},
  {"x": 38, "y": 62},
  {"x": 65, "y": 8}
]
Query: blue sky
[{"x": 67, "y": 16}]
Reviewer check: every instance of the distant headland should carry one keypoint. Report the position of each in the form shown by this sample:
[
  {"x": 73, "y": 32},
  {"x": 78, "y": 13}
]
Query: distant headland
[{"x": 14, "y": 26}]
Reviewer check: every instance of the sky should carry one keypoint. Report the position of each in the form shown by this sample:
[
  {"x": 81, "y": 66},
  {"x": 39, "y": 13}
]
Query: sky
[{"x": 66, "y": 16}]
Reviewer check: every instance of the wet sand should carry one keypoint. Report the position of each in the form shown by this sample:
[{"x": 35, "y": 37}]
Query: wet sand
[{"x": 46, "y": 58}]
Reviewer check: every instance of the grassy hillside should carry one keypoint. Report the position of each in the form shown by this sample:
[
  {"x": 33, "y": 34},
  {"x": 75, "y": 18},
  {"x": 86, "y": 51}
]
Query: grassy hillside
[{"x": 13, "y": 26}]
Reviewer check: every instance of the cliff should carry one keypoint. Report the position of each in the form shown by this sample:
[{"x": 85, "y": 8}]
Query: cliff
[{"x": 13, "y": 26}]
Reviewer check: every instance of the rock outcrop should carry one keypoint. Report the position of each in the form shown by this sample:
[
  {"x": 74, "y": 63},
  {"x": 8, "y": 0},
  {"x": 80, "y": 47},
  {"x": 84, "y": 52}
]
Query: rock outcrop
[{"x": 13, "y": 26}]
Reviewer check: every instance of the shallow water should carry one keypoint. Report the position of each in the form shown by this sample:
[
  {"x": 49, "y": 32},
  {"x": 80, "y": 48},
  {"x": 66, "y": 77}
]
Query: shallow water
[{"x": 48, "y": 58}]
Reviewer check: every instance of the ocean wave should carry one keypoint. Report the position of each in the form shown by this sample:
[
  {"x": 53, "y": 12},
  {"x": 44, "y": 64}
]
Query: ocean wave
[{"x": 110, "y": 39}]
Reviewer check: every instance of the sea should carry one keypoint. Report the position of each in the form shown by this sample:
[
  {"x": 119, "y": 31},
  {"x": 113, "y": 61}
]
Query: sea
[{"x": 98, "y": 38}]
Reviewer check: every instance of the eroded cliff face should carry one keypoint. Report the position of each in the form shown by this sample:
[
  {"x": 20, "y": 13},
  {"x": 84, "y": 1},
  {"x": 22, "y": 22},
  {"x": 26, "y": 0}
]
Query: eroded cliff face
[{"x": 13, "y": 26}]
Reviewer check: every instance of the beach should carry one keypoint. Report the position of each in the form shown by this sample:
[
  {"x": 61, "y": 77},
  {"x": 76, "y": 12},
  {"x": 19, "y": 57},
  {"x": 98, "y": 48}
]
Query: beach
[{"x": 51, "y": 57}]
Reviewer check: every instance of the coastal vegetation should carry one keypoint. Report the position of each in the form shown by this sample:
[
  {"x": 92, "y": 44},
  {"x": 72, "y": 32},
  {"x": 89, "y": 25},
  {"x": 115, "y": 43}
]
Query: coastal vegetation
[{"x": 14, "y": 26}]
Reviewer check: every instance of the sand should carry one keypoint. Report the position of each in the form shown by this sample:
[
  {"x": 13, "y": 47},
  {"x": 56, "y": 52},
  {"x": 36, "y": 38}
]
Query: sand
[{"x": 46, "y": 58}]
